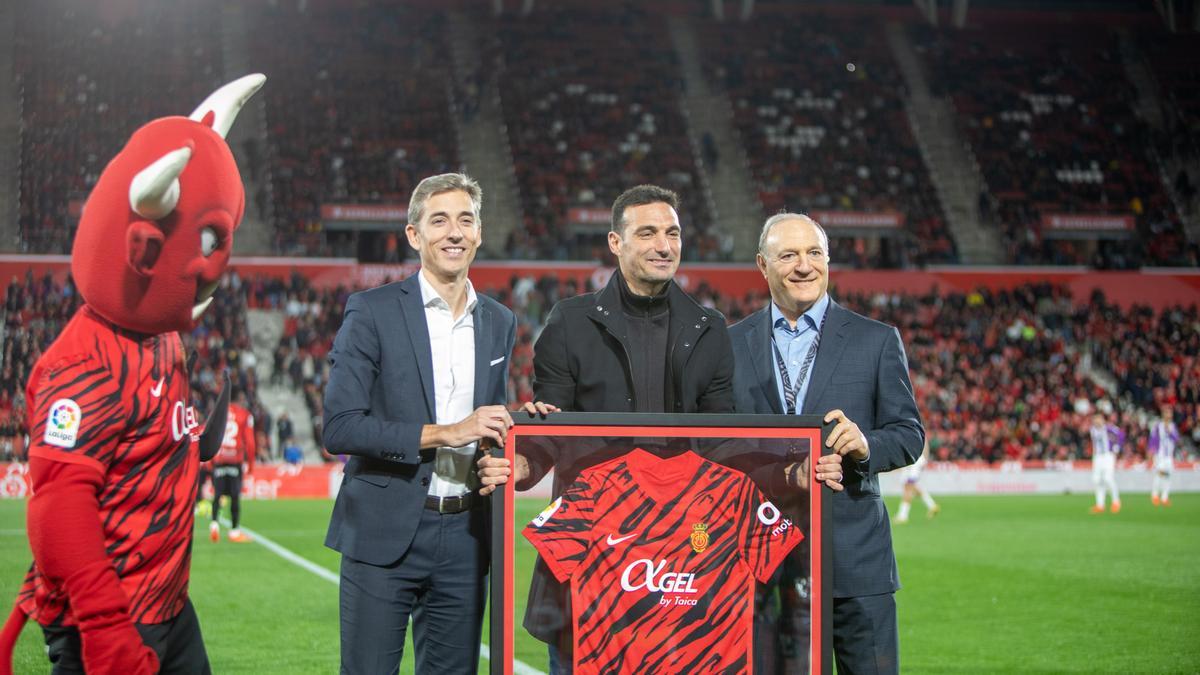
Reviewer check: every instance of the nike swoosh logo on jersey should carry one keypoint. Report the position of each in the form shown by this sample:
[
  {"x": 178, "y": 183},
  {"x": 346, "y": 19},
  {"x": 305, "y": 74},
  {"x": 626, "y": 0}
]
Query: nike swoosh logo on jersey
[
  {"x": 614, "y": 542},
  {"x": 156, "y": 391}
]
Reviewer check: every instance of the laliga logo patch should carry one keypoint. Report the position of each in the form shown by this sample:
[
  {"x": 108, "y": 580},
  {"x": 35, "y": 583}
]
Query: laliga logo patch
[
  {"x": 62, "y": 425},
  {"x": 699, "y": 538},
  {"x": 542, "y": 517}
]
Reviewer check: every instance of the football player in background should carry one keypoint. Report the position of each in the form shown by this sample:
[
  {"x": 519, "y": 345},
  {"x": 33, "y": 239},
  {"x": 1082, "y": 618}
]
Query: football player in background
[
  {"x": 203, "y": 506},
  {"x": 1164, "y": 436},
  {"x": 1106, "y": 445},
  {"x": 233, "y": 461},
  {"x": 912, "y": 477}
]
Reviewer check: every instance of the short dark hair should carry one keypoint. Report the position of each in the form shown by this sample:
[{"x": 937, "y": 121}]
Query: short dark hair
[{"x": 639, "y": 196}]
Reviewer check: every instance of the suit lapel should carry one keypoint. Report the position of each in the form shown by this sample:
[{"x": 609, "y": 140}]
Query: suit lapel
[
  {"x": 758, "y": 343},
  {"x": 483, "y": 340},
  {"x": 418, "y": 337},
  {"x": 829, "y": 354}
]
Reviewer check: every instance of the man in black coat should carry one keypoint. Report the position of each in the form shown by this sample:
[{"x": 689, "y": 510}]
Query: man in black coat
[{"x": 640, "y": 344}]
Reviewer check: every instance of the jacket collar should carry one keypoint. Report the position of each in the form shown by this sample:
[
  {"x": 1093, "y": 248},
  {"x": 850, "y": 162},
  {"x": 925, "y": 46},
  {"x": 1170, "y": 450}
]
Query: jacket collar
[
  {"x": 829, "y": 354},
  {"x": 413, "y": 306},
  {"x": 758, "y": 344},
  {"x": 688, "y": 318},
  {"x": 412, "y": 302}
]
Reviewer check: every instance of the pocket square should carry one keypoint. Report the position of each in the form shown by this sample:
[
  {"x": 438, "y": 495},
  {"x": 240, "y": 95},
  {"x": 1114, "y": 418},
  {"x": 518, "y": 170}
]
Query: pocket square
[{"x": 495, "y": 361}]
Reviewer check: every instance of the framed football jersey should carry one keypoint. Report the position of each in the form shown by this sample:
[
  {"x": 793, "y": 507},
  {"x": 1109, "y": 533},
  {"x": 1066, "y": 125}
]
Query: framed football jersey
[{"x": 647, "y": 543}]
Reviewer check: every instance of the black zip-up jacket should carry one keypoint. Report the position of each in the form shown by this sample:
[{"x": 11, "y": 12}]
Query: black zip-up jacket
[{"x": 581, "y": 363}]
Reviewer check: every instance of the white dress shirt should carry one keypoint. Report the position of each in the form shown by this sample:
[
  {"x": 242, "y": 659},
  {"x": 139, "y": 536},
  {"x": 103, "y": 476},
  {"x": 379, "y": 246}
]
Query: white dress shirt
[{"x": 452, "y": 342}]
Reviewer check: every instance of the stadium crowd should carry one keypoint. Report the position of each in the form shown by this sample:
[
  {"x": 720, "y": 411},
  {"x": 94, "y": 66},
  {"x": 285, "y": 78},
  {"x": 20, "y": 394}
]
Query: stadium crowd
[
  {"x": 1049, "y": 116},
  {"x": 819, "y": 103},
  {"x": 36, "y": 310},
  {"x": 588, "y": 126},
  {"x": 366, "y": 108},
  {"x": 357, "y": 116},
  {"x": 998, "y": 375},
  {"x": 87, "y": 80}
]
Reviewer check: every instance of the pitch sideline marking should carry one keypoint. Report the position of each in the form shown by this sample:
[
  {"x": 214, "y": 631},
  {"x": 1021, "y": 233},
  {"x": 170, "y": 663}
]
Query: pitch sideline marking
[{"x": 519, "y": 667}]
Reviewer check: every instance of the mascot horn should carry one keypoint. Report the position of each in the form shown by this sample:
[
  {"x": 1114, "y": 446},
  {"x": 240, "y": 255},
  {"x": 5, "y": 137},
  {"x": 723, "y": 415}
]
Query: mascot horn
[{"x": 114, "y": 451}]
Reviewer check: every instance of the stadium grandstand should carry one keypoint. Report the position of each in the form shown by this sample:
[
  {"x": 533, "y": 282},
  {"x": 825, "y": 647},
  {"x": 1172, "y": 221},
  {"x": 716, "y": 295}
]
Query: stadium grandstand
[
  {"x": 1005, "y": 136},
  {"x": 1013, "y": 185}
]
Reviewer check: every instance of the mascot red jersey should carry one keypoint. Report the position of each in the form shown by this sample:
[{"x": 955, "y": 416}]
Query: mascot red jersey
[{"x": 114, "y": 446}]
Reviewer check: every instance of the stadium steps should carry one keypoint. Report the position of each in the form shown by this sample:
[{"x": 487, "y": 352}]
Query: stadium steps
[
  {"x": 1149, "y": 107},
  {"x": 483, "y": 146},
  {"x": 954, "y": 171},
  {"x": 10, "y": 133},
  {"x": 733, "y": 200},
  {"x": 254, "y": 235},
  {"x": 1146, "y": 105},
  {"x": 266, "y": 328}
]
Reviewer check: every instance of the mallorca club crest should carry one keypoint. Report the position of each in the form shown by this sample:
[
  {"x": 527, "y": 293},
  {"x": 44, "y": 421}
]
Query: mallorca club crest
[{"x": 699, "y": 537}]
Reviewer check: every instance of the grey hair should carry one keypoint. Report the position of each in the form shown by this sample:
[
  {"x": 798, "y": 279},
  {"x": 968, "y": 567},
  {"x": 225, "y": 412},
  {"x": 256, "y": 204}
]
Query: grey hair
[
  {"x": 782, "y": 216},
  {"x": 438, "y": 184}
]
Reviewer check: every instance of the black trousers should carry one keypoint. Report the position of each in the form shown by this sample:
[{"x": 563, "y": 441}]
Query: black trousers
[
  {"x": 441, "y": 581},
  {"x": 865, "y": 636},
  {"x": 205, "y": 474},
  {"x": 227, "y": 480},
  {"x": 178, "y": 643}
]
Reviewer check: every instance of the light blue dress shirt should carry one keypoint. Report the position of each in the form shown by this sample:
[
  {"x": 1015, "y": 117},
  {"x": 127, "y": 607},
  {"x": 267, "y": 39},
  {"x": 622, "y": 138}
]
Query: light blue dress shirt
[{"x": 794, "y": 345}]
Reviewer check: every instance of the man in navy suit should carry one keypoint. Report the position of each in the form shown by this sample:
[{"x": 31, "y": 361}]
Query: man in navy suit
[
  {"x": 419, "y": 379},
  {"x": 806, "y": 354}
]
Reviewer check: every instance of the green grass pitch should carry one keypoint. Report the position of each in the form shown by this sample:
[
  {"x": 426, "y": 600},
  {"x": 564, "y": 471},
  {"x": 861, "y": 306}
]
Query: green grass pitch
[{"x": 993, "y": 584}]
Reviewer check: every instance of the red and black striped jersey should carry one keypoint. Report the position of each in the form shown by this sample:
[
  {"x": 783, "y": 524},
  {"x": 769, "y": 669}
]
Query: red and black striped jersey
[
  {"x": 117, "y": 402},
  {"x": 237, "y": 446},
  {"x": 661, "y": 556}
]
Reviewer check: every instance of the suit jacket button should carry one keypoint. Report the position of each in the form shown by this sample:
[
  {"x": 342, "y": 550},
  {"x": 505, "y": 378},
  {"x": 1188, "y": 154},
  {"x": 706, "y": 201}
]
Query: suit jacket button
[
  {"x": 399, "y": 455},
  {"x": 425, "y": 482}
]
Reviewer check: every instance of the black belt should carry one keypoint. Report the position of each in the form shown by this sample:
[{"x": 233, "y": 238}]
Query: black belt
[{"x": 456, "y": 504}]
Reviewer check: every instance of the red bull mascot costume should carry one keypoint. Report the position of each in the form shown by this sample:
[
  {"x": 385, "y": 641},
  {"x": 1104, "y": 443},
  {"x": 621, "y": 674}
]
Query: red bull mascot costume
[{"x": 114, "y": 444}]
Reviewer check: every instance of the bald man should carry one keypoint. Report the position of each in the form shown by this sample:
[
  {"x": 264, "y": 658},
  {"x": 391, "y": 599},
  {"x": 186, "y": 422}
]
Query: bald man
[{"x": 805, "y": 354}]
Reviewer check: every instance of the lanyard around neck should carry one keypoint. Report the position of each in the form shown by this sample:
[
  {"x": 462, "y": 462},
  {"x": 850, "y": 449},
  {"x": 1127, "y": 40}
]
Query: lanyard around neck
[{"x": 789, "y": 392}]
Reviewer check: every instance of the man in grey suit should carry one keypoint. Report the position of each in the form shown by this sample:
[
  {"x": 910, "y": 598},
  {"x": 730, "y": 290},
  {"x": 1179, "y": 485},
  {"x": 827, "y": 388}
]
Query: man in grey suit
[
  {"x": 806, "y": 354},
  {"x": 419, "y": 379}
]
